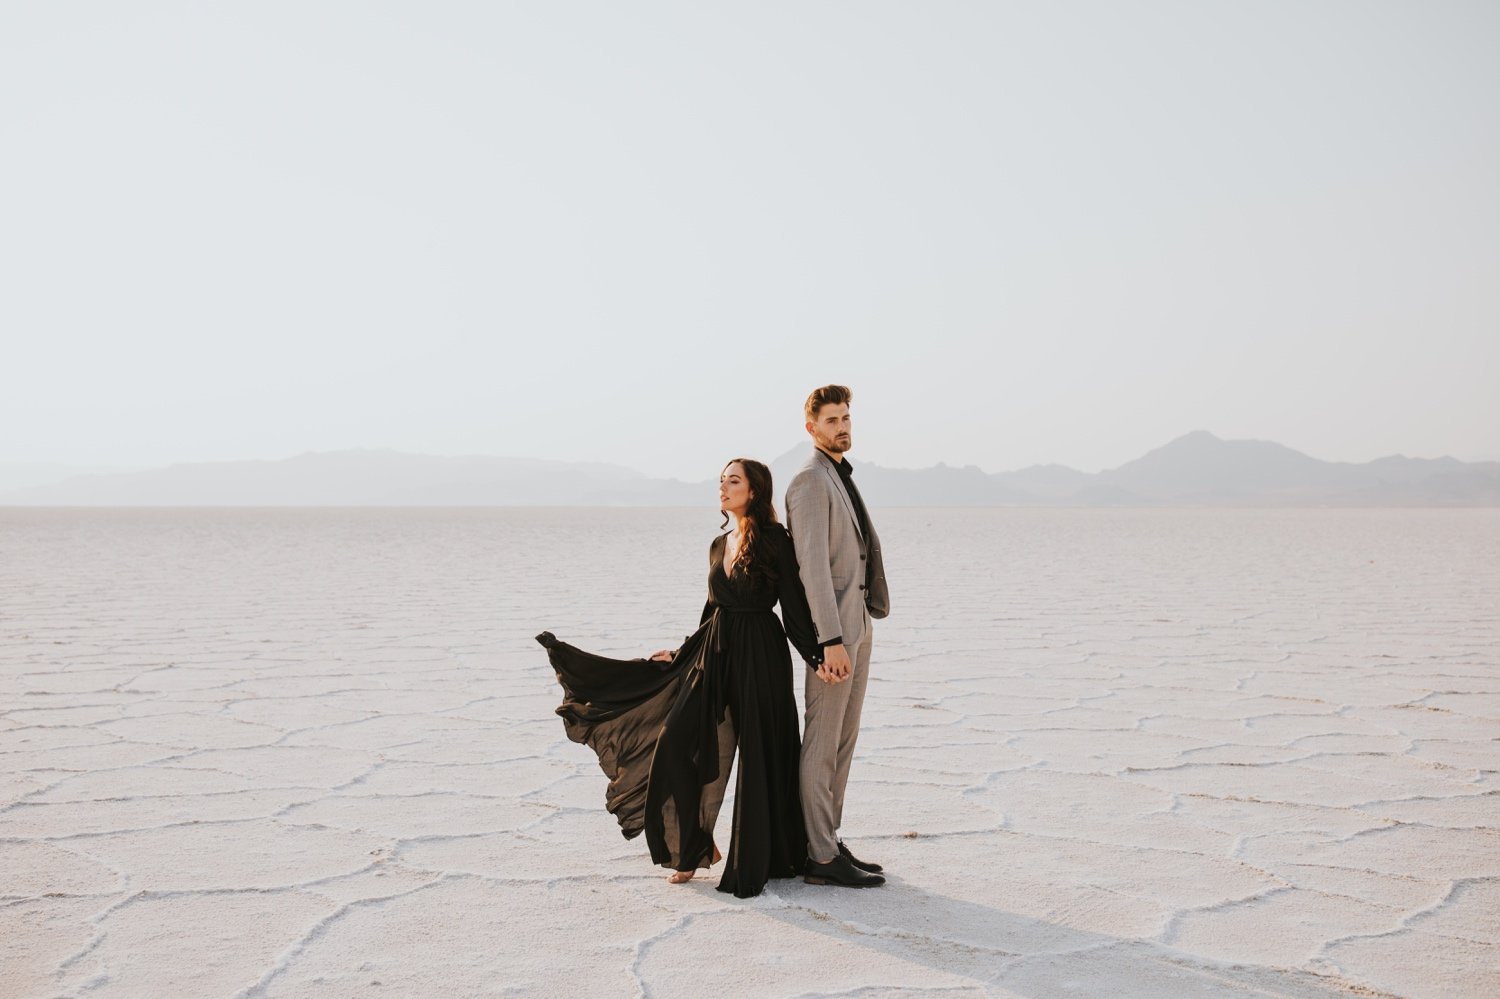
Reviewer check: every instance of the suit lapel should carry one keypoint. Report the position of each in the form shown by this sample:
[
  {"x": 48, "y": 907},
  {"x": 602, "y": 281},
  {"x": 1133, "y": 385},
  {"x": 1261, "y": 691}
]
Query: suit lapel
[{"x": 843, "y": 494}]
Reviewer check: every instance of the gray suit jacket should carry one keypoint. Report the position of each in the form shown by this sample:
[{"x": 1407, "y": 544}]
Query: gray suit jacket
[{"x": 831, "y": 553}]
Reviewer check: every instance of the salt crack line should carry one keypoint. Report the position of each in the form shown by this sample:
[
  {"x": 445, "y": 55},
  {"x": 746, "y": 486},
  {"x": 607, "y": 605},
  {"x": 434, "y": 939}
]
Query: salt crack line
[
  {"x": 1405, "y": 925},
  {"x": 915, "y": 990},
  {"x": 638, "y": 952},
  {"x": 1167, "y": 935},
  {"x": 71, "y": 837},
  {"x": 285, "y": 959}
]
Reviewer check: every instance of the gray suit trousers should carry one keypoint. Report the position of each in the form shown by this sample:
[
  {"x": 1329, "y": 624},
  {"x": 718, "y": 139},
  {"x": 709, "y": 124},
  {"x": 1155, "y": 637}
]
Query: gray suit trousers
[{"x": 829, "y": 731}]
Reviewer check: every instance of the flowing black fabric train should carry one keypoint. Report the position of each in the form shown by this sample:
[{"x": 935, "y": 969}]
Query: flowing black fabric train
[{"x": 665, "y": 733}]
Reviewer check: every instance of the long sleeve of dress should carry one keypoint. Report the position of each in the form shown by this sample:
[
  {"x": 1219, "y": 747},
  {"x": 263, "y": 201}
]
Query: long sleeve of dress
[{"x": 795, "y": 615}]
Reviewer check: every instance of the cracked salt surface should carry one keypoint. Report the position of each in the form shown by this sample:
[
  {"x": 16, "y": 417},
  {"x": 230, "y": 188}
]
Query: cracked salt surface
[{"x": 1189, "y": 753}]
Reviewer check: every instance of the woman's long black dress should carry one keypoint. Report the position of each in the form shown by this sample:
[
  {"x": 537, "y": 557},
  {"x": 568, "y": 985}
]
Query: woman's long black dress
[{"x": 665, "y": 733}]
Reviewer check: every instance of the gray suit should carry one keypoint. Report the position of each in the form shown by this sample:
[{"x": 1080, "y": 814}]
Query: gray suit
[{"x": 832, "y": 555}]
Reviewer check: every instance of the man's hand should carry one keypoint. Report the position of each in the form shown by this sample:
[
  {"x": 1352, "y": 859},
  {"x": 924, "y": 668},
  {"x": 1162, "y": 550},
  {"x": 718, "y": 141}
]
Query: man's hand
[
  {"x": 836, "y": 664},
  {"x": 664, "y": 656}
]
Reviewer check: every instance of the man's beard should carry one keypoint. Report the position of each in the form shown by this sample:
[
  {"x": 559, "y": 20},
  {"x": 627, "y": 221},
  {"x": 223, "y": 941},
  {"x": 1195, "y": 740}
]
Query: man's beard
[{"x": 837, "y": 445}]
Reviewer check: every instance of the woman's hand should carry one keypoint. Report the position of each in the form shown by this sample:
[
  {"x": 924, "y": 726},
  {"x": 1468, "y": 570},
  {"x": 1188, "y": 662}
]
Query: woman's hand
[{"x": 664, "y": 656}]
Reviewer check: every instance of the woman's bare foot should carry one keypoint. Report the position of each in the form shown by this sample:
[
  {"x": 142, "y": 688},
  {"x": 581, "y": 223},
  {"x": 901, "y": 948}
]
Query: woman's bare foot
[{"x": 683, "y": 877}]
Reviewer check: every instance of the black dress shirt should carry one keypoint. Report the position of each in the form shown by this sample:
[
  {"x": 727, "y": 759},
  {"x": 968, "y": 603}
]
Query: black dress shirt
[{"x": 846, "y": 472}]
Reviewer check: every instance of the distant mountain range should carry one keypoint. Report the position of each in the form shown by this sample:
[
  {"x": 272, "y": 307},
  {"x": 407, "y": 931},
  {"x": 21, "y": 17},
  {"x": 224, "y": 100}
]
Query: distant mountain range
[
  {"x": 1198, "y": 469},
  {"x": 19, "y": 475}
]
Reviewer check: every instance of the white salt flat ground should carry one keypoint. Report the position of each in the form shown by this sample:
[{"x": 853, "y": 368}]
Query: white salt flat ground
[{"x": 1139, "y": 753}]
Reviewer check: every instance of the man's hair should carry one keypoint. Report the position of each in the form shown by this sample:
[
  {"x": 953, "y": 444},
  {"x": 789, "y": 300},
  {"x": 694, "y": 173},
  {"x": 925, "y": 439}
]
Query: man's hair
[{"x": 828, "y": 395}]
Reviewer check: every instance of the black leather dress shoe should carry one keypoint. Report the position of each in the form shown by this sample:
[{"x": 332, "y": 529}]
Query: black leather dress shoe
[
  {"x": 839, "y": 871},
  {"x": 863, "y": 865}
]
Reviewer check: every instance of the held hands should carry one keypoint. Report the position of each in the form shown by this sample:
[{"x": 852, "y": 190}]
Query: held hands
[
  {"x": 663, "y": 656},
  {"x": 836, "y": 666}
]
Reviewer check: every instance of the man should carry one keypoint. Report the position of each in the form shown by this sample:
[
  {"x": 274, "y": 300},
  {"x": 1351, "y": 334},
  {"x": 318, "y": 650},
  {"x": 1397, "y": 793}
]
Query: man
[{"x": 839, "y": 555}]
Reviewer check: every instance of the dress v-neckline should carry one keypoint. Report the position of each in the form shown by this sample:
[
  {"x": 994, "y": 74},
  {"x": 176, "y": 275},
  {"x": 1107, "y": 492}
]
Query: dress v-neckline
[{"x": 724, "y": 551}]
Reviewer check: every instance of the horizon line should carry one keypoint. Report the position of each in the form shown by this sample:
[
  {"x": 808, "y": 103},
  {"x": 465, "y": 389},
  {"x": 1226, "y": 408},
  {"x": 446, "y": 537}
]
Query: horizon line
[{"x": 93, "y": 469}]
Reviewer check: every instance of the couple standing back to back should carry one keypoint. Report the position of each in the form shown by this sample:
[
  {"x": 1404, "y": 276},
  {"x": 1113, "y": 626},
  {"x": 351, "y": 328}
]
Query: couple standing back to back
[{"x": 666, "y": 729}]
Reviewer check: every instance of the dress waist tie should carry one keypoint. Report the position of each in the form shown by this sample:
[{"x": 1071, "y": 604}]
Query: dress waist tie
[{"x": 716, "y": 623}]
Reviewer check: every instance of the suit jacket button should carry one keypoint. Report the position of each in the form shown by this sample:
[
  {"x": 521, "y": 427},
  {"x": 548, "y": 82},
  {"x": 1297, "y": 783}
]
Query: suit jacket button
[{"x": 861, "y": 586}]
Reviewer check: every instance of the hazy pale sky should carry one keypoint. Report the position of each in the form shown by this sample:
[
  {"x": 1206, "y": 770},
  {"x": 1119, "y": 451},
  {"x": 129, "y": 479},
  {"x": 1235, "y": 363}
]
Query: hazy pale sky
[{"x": 641, "y": 233}]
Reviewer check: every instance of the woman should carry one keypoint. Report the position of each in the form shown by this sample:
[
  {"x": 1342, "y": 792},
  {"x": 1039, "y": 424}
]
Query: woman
[{"x": 666, "y": 729}]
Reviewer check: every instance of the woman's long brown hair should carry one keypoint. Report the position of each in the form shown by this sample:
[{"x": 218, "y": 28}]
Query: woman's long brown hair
[{"x": 760, "y": 513}]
